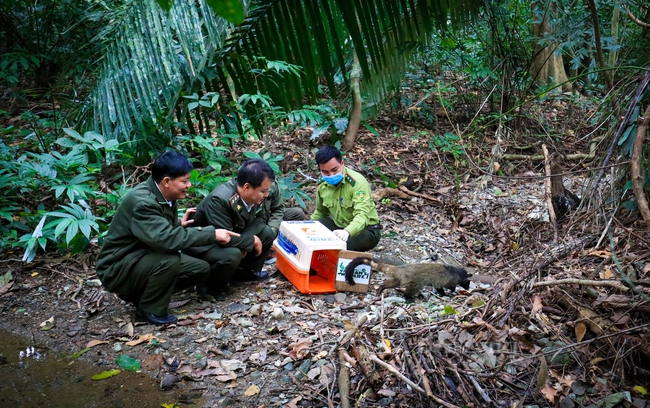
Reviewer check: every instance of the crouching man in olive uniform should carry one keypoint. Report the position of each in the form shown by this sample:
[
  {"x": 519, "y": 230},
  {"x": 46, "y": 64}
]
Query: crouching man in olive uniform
[
  {"x": 140, "y": 260},
  {"x": 250, "y": 204}
]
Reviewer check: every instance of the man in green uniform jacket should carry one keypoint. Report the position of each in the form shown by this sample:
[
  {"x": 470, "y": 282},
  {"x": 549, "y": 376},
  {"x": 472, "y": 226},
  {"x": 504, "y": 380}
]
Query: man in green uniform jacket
[
  {"x": 344, "y": 202},
  {"x": 140, "y": 259},
  {"x": 251, "y": 205}
]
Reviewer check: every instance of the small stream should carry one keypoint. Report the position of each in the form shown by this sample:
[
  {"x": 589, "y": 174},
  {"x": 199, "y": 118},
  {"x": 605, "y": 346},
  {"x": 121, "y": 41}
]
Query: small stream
[{"x": 32, "y": 376}]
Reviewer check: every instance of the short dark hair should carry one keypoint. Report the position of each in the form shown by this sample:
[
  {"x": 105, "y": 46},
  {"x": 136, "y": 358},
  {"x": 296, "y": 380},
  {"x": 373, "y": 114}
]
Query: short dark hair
[
  {"x": 254, "y": 172},
  {"x": 325, "y": 154},
  {"x": 170, "y": 164}
]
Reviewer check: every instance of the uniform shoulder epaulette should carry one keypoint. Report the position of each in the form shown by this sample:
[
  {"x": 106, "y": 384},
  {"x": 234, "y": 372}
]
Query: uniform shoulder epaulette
[
  {"x": 350, "y": 179},
  {"x": 233, "y": 199},
  {"x": 320, "y": 180}
]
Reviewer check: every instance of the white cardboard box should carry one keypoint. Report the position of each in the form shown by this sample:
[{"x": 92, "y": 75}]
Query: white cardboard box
[{"x": 362, "y": 273}]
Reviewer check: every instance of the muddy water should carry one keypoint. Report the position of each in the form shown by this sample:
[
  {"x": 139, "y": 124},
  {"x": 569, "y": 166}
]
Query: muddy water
[{"x": 36, "y": 377}]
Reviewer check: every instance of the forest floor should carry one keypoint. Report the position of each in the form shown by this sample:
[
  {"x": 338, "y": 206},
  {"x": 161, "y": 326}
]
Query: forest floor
[{"x": 522, "y": 335}]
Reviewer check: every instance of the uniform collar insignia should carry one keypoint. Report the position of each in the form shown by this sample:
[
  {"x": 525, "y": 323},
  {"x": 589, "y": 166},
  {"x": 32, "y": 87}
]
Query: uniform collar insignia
[{"x": 233, "y": 199}]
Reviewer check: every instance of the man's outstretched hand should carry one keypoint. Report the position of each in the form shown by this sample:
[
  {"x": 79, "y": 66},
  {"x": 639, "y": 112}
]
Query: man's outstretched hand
[{"x": 223, "y": 235}]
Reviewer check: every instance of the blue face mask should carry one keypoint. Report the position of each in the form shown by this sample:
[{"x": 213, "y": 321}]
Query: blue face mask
[{"x": 335, "y": 179}]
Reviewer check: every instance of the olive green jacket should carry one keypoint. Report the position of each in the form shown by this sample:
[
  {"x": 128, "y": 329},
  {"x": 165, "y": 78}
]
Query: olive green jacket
[
  {"x": 223, "y": 208},
  {"x": 144, "y": 223},
  {"x": 349, "y": 204}
]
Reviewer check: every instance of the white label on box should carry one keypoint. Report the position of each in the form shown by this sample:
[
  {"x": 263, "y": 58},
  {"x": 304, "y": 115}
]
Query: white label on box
[{"x": 361, "y": 272}]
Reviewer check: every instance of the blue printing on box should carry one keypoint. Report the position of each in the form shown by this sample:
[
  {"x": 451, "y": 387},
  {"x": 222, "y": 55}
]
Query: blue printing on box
[{"x": 286, "y": 244}]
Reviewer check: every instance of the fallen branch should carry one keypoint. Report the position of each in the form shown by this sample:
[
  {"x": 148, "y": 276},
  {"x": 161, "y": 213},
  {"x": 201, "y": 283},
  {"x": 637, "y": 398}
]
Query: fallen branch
[
  {"x": 397, "y": 374},
  {"x": 420, "y": 195},
  {"x": 362, "y": 355},
  {"x": 409, "y": 382},
  {"x": 586, "y": 282},
  {"x": 344, "y": 381},
  {"x": 571, "y": 157},
  {"x": 636, "y": 167},
  {"x": 547, "y": 191},
  {"x": 348, "y": 335}
]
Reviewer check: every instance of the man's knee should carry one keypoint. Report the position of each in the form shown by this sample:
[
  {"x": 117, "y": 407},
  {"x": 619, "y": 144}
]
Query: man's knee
[
  {"x": 227, "y": 256},
  {"x": 166, "y": 264},
  {"x": 294, "y": 214},
  {"x": 267, "y": 235}
]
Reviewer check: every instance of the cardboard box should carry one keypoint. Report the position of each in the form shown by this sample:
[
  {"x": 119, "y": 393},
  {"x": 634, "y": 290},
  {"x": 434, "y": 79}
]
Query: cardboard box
[
  {"x": 362, "y": 273},
  {"x": 307, "y": 255}
]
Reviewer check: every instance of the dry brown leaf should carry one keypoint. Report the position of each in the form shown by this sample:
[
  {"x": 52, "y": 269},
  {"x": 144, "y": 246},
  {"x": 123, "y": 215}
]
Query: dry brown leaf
[
  {"x": 300, "y": 350},
  {"x": 549, "y": 393},
  {"x": 537, "y": 303},
  {"x": 201, "y": 340},
  {"x": 174, "y": 305},
  {"x": 197, "y": 317},
  {"x": 293, "y": 402},
  {"x": 542, "y": 376},
  {"x": 6, "y": 288},
  {"x": 565, "y": 380},
  {"x": 93, "y": 343},
  {"x": 320, "y": 355},
  {"x": 144, "y": 337},
  {"x": 231, "y": 365},
  {"x": 252, "y": 390},
  {"x": 130, "y": 331},
  {"x": 206, "y": 371},
  {"x": 580, "y": 330},
  {"x": 153, "y": 362},
  {"x": 227, "y": 377},
  {"x": 607, "y": 274},
  {"x": 386, "y": 393}
]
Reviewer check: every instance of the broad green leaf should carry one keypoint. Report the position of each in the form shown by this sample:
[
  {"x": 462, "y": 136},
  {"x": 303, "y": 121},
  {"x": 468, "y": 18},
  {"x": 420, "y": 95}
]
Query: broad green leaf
[
  {"x": 231, "y": 10},
  {"x": 128, "y": 363},
  {"x": 105, "y": 375},
  {"x": 165, "y": 4},
  {"x": 613, "y": 400},
  {"x": 448, "y": 310}
]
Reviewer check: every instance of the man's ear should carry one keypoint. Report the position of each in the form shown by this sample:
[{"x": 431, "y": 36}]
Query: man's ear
[{"x": 165, "y": 181}]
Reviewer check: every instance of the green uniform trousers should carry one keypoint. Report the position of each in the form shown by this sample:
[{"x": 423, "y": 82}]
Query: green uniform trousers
[
  {"x": 294, "y": 214},
  {"x": 157, "y": 276},
  {"x": 224, "y": 261},
  {"x": 366, "y": 240}
]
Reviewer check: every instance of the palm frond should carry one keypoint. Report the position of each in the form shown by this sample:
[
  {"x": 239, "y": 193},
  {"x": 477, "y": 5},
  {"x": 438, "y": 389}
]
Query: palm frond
[
  {"x": 156, "y": 57},
  {"x": 151, "y": 57}
]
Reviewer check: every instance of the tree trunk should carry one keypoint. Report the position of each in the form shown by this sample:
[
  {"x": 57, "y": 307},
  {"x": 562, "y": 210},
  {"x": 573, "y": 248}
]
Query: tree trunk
[
  {"x": 637, "y": 173},
  {"x": 548, "y": 66},
  {"x": 613, "y": 55},
  {"x": 599, "y": 48},
  {"x": 355, "y": 114}
]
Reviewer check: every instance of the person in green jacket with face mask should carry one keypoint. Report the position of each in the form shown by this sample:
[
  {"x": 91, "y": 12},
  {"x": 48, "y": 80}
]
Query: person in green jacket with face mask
[
  {"x": 344, "y": 202},
  {"x": 141, "y": 259}
]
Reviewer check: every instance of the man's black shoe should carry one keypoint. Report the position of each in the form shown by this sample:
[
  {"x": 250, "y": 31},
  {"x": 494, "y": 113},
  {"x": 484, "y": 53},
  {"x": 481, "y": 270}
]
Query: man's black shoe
[
  {"x": 247, "y": 275},
  {"x": 145, "y": 316},
  {"x": 259, "y": 275},
  {"x": 204, "y": 293}
]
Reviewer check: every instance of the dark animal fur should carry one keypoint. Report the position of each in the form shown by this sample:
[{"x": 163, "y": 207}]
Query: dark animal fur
[{"x": 413, "y": 277}]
